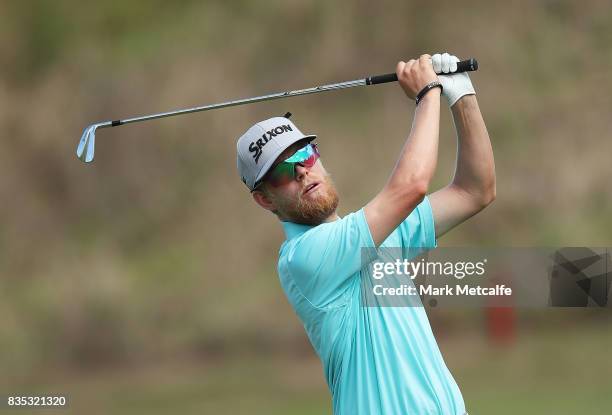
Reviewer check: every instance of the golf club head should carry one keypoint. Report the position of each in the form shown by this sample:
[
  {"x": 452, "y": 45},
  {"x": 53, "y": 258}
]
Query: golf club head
[{"x": 85, "y": 149}]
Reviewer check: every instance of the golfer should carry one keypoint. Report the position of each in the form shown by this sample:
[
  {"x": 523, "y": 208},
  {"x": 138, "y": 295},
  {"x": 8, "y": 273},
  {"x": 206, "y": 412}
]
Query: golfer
[{"x": 376, "y": 360}]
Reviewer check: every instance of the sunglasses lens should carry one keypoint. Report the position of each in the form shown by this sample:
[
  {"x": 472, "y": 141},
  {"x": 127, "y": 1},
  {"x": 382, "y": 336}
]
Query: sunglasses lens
[
  {"x": 284, "y": 172},
  {"x": 310, "y": 161}
]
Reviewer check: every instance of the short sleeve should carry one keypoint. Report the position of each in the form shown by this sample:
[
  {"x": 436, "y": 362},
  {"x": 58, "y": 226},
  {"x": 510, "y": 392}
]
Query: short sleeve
[
  {"x": 418, "y": 230},
  {"x": 323, "y": 261}
]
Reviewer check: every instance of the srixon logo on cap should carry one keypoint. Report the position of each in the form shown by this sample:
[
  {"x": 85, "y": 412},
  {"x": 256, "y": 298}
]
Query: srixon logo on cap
[{"x": 256, "y": 146}]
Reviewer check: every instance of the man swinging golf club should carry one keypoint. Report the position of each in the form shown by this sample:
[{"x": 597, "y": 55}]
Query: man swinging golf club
[{"x": 382, "y": 360}]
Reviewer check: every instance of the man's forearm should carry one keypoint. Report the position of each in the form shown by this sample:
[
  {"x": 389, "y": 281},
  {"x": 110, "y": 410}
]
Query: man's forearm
[
  {"x": 418, "y": 159},
  {"x": 475, "y": 169}
]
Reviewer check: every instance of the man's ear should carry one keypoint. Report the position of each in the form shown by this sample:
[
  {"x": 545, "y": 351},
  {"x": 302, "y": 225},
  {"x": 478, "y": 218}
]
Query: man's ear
[{"x": 263, "y": 200}]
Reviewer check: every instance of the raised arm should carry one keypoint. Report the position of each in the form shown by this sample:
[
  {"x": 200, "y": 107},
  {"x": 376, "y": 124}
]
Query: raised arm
[
  {"x": 410, "y": 178},
  {"x": 473, "y": 185}
]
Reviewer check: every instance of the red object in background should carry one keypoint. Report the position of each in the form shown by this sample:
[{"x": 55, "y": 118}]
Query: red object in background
[
  {"x": 501, "y": 318},
  {"x": 501, "y": 325}
]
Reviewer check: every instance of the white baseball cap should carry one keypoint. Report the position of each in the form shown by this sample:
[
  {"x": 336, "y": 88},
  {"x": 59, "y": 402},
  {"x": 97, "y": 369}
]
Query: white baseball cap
[{"x": 262, "y": 144}]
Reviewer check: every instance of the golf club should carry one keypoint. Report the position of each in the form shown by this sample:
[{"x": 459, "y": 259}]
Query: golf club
[{"x": 85, "y": 148}]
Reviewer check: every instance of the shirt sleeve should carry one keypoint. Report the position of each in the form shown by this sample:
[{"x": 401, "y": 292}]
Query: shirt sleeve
[
  {"x": 417, "y": 232},
  {"x": 324, "y": 260}
]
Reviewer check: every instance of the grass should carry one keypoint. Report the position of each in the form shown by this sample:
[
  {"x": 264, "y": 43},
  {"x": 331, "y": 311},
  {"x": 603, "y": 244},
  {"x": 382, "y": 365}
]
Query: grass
[
  {"x": 560, "y": 371},
  {"x": 550, "y": 371}
]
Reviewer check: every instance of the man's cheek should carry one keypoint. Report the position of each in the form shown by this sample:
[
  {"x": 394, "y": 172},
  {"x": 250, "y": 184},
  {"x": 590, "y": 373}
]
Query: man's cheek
[
  {"x": 293, "y": 190},
  {"x": 288, "y": 195}
]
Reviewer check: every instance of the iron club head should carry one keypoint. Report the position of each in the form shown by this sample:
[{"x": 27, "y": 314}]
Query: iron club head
[{"x": 85, "y": 149}]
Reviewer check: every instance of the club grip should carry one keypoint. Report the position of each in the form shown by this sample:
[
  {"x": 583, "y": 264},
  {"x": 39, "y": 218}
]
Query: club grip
[{"x": 462, "y": 66}]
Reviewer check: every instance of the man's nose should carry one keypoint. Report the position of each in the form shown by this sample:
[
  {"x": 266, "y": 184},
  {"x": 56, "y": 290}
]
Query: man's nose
[{"x": 301, "y": 172}]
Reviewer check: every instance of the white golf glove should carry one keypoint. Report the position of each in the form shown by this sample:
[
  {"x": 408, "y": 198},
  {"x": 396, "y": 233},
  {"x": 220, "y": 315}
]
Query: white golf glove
[{"x": 454, "y": 86}]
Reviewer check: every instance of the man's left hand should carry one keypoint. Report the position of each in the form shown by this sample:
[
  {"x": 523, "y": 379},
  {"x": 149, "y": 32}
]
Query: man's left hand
[{"x": 456, "y": 85}]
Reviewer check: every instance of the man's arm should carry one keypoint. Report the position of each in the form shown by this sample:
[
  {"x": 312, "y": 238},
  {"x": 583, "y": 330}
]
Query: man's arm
[
  {"x": 473, "y": 186},
  {"x": 410, "y": 178}
]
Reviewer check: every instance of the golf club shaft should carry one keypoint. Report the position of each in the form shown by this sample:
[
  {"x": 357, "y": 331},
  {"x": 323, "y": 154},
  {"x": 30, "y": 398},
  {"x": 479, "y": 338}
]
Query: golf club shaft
[{"x": 462, "y": 66}]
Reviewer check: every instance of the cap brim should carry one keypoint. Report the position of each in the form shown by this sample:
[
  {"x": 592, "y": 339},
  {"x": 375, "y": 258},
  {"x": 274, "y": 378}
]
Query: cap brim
[{"x": 278, "y": 152}]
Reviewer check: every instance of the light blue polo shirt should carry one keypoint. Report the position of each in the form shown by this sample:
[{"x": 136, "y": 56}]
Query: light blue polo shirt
[{"x": 377, "y": 360}]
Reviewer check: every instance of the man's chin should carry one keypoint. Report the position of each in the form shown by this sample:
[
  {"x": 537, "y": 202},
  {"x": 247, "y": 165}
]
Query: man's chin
[{"x": 315, "y": 207}]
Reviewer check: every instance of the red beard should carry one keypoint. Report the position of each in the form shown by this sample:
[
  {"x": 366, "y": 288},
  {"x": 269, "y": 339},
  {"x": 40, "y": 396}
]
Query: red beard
[{"x": 311, "y": 209}]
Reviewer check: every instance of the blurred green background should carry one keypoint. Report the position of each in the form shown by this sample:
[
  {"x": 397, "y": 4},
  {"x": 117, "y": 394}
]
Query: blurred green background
[{"x": 146, "y": 282}]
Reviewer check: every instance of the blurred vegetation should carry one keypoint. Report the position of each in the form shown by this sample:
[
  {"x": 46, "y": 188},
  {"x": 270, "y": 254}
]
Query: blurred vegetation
[{"x": 156, "y": 253}]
